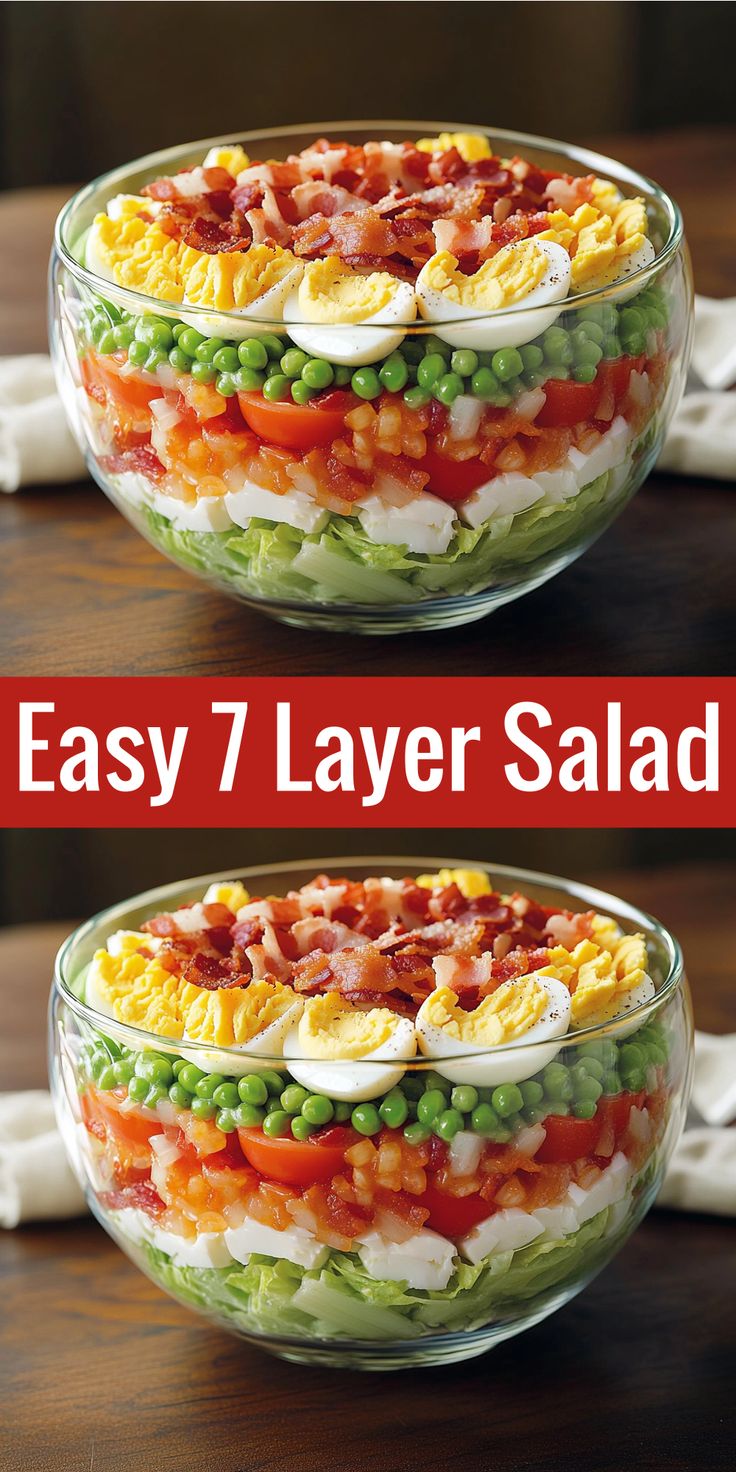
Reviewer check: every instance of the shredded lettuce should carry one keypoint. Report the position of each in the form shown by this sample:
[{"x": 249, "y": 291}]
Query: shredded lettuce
[{"x": 342, "y": 1301}]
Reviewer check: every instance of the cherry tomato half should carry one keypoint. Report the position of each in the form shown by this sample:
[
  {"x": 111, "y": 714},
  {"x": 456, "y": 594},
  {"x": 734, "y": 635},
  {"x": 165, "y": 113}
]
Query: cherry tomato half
[
  {"x": 453, "y": 480},
  {"x": 298, "y": 426},
  {"x": 298, "y": 1162},
  {"x": 454, "y": 1216}
]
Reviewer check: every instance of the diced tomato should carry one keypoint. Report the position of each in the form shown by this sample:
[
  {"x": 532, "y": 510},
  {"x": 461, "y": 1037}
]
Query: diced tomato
[
  {"x": 568, "y": 1138},
  {"x": 453, "y": 480},
  {"x": 568, "y": 403},
  {"x": 131, "y": 1128},
  {"x": 616, "y": 1108},
  {"x": 298, "y": 1162},
  {"x": 454, "y": 1216},
  {"x": 298, "y": 426},
  {"x": 616, "y": 372}
]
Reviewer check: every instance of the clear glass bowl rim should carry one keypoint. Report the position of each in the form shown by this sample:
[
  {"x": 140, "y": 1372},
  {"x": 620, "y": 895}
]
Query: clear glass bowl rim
[
  {"x": 592, "y": 898},
  {"x": 594, "y": 162}
]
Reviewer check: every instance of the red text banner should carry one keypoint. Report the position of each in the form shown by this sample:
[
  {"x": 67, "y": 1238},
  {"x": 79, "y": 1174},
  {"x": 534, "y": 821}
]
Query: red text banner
[{"x": 378, "y": 752}]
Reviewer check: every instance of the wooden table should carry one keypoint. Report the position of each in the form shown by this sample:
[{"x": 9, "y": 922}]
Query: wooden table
[
  {"x": 102, "y": 1373},
  {"x": 655, "y": 596}
]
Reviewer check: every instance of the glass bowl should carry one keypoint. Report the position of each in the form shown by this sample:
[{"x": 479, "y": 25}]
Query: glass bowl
[
  {"x": 602, "y": 1111},
  {"x": 321, "y": 546}
]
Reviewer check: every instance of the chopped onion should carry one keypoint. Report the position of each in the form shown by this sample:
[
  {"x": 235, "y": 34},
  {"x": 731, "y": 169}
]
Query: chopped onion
[
  {"x": 530, "y": 403},
  {"x": 164, "y": 413},
  {"x": 166, "y": 1112},
  {"x": 465, "y": 416},
  {"x": 639, "y": 388},
  {"x": 640, "y": 1124},
  {"x": 166, "y": 375},
  {"x": 465, "y": 1153},
  {"x": 530, "y": 1140},
  {"x": 302, "y": 479},
  {"x": 393, "y": 1227},
  {"x": 393, "y": 491},
  {"x": 164, "y": 1149}
]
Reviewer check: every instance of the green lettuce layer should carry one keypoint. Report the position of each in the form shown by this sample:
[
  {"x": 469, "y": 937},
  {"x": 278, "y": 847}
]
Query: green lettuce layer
[{"x": 342, "y": 1301}]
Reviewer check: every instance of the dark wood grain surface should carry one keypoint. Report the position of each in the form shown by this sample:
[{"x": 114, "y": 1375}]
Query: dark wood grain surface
[
  {"x": 83, "y": 594},
  {"x": 102, "y": 1373}
]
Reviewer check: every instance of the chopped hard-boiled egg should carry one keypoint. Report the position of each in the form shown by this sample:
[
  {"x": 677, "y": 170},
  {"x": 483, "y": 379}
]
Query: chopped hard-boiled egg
[
  {"x": 484, "y": 310},
  {"x": 606, "y": 247},
  {"x": 470, "y": 882},
  {"x": 605, "y": 985},
  {"x": 295, "y": 508},
  {"x": 136, "y": 989},
  {"x": 228, "y": 156},
  {"x": 252, "y": 1020},
  {"x": 206, "y": 1250},
  {"x": 482, "y": 1046},
  {"x": 203, "y": 514},
  {"x": 346, "y": 316},
  {"x": 230, "y": 892},
  {"x": 425, "y": 1260},
  {"x": 252, "y": 285},
  {"x": 137, "y": 255},
  {"x": 332, "y": 1034},
  {"x": 425, "y": 525},
  {"x": 505, "y": 1231},
  {"x": 294, "y": 1244},
  {"x": 470, "y": 146}
]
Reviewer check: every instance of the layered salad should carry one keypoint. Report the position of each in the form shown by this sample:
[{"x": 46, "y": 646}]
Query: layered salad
[
  {"x": 372, "y": 1111},
  {"x": 371, "y": 374}
]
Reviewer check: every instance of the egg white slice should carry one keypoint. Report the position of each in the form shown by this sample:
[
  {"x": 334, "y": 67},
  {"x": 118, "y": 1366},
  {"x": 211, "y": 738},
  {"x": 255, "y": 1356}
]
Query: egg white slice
[
  {"x": 355, "y": 343},
  {"x": 621, "y": 268},
  {"x": 621, "y": 1003},
  {"x": 264, "y": 315},
  {"x": 264, "y": 1051},
  {"x": 508, "y": 327},
  {"x": 355, "y": 1079},
  {"x": 507, "y": 1063}
]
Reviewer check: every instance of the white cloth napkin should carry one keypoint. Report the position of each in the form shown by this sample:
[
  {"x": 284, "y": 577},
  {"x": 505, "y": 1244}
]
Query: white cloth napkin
[
  {"x": 36, "y": 1183},
  {"x": 36, "y": 445}
]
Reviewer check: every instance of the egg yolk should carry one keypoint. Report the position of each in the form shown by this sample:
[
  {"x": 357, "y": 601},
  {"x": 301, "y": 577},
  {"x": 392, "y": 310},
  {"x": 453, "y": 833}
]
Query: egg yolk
[
  {"x": 598, "y": 243},
  {"x": 140, "y": 256},
  {"x": 231, "y": 157},
  {"x": 140, "y": 991},
  {"x": 601, "y": 981},
  {"x": 331, "y": 292},
  {"x": 502, "y": 1017},
  {"x": 470, "y": 146},
  {"x": 331, "y": 1028},
  {"x": 502, "y": 281},
  {"x": 234, "y": 1015},
  {"x": 234, "y": 895},
  {"x": 470, "y": 882},
  {"x": 231, "y": 280}
]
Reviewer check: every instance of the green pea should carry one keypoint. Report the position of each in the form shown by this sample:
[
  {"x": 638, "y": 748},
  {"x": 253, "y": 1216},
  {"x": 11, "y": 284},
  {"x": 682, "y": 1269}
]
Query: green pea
[
  {"x": 106, "y": 1078},
  {"x": 137, "y": 1089},
  {"x": 249, "y": 1116},
  {"x": 226, "y": 1096},
  {"x": 514, "y": 386},
  {"x": 612, "y": 347},
  {"x": 533, "y": 1114},
  {"x": 107, "y": 343},
  {"x": 273, "y": 1080},
  {"x": 180, "y": 1096},
  {"x": 591, "y": 314},
  {"x": 317, "y": 373},
  {"x": 293, "y": 1097},
  {"x": 412, "y": 349},
  {"x": 584, "y": 350},
  {"x": 584, "y": 1108},
  {"x": 593, "y": 1067},
  {"x": 430, "y": 370},
  {"x": 248, "y": 380},
  {"x": 157, "y": 1070},
  {"x": 253, "y": 353},
  {"x": 394, "y": 374},
  {"x": 177, "y": 328},
  {"x": 156, "y": 1092},
  {"x": 252, "y": 1089},
  {"x": 226, "y": 1121},
  {"x": 137, "y": 354},
  {"x": 634, "y": 1080},
  {"x": 394, "y": 1110},
  {"x": 448, "y": 388},
  {"x": 557, "y": 1082},
  {"x": 208, "y": 348},
  {"x": 587, "y": 1088},
  {"x": 464, "y": 361},
  {"x": 123, "y": 1071},
  {"x": 507, "y": 363},
  {"x": 317, "y": 1109},
  {"x": 99, "y": 323},
  {"x": 559, "y": 370},
  {"x": 203, "y": 1109},
  {"x": 657, "y": 1055},
  {"x": 203, "y": 372},
  {"x": 558, "y": 1107},
  {"x": 507, "y": 1099},
  {"x": 366, "y": 1119},
  {"x": 531, "y": 356},
  {"x": 434, "y": 344},
  {"x": 226, "y": 360},
  {"x": 584, "y": 373},
  {"x": 179, "y": 360},
  {"x": 273, "y": 345},
  {"x": 416, "y": 1134},
  {"x": 557, "y": 345},
  {"x": 206, "y": 1087},
  {"x": 190, "y": 1076},
  {"x": 631, "y": 1056},
  {"x": 301, "y": 393},
  {"x": 276, "y": 1124},
  {"x": 276, "y": 388},
  {"x": 301, "y": 1128},
  {"x": 592, "y": 331},
  {"x": 632, "y": 321},
  {"x": 448, "y": 1124},
  {"x": 657, "y": 319},
  {"x": 293, "y": 361},
  {"x": 434, "y": 1080},
  {"x": 634, "y": 345},
  {"x": 123, "y": 334},
  {"x": 157, "y": 335},
  {"x": 416, "y": 397},
  {"x": 484, "y": 384},
  {"x": 464, "y": 1097},
  {"x": 343, "y": 1110},
  {"x": 531, "y": 1092},
  {"x": 612, "y": 1082},
  {"x": 484, "y": 1119},
  {"x": 226, "y": 385},
  {"x": 189, "y": 340},
  {"x": 343, "y": 374},
  {"x": 430, "y": 1105},
  {"x": 412, "y": 1084},
  {"x": 366, "y": 383}
]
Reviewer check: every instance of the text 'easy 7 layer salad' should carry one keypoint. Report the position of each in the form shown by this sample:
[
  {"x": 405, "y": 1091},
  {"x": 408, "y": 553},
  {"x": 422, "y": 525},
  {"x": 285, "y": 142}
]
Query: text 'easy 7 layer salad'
[
  {"x": 362, "y": 377},
  {"x": 361, "y": 1114}
]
